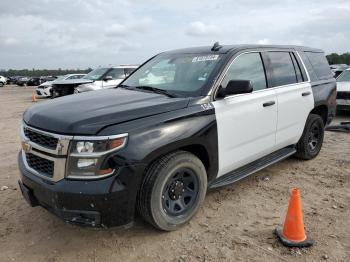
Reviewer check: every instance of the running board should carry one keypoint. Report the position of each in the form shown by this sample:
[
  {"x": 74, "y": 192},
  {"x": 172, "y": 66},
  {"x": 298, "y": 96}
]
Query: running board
[{"x": 251, "y": 168}]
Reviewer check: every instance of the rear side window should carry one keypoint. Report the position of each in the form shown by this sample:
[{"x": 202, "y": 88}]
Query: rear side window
[
  {"x": 319, "y": 64},
  {"x": 283, "y": 71},
  {"x": 297, "y": 68}
]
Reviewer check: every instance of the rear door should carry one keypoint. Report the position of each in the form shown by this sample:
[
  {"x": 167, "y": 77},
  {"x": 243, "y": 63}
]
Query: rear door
[
  {"x": 246, "y": 122},
  {"x": 294, "y": 96}
]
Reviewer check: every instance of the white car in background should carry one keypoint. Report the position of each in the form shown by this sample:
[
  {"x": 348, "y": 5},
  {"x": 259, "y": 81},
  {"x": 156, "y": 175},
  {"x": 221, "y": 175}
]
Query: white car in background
[
  {"x": 3, "y": 81},
  {"x": 44, "y": 90},
  {"x": 343, "y": 90},
  {"x": 107, "y": 77}
]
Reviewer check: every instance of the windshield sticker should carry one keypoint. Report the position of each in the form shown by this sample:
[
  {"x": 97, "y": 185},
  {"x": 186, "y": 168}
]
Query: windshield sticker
[{"x": 204, "y": 58}]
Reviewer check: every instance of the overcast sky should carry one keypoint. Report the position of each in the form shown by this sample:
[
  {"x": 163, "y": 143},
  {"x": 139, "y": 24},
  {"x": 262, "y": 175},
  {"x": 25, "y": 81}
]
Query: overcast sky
[{"x": 89, "y": 33}]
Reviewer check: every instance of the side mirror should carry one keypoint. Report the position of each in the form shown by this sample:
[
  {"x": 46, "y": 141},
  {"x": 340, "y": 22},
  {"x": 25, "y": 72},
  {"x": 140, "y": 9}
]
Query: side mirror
[
  {"x": 107, "y": 78},
  {"x": 235, "y": 87}
]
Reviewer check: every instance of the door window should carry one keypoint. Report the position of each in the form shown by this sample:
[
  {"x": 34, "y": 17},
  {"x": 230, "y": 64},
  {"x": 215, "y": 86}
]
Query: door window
[
  {"x": 283, "y": 72},
  {"x": 116, "y": 73},
  {"x": 247, "y": 67}
]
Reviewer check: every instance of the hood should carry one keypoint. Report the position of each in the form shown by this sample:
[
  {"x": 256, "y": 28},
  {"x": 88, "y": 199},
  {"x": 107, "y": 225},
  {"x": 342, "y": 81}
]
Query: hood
[
  {"x": 47, "y": 83},
  {"x": 88, "y": 113},
  {"x": 343, "y": 86}
]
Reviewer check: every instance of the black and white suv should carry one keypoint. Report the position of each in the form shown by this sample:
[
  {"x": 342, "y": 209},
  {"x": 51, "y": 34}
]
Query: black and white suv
[{"x": 184, "y": 122}]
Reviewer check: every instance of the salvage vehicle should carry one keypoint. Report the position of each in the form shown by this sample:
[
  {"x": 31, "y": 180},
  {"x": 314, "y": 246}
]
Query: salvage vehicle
[
  {"x": 45, "y": 89},
  {"x": 343, "y": 90},
  {"x": 3, "y": 81},
  {"x": 106, "y": 78},
  {"x": 34, "y": 81},
  {"x": 98, "y": 79},
  {"x": 22, "y": 81},
  {"x": 184, "y": 122}
]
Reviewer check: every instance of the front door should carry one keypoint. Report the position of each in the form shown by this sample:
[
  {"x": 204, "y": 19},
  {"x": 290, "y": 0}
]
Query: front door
[{"x": 246, "y": 122}]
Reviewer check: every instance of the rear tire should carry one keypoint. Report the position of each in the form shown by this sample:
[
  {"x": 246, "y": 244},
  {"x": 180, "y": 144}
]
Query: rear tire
[
  {"x": 311, "y": 141},
  {"x": 172, "y": 190}
]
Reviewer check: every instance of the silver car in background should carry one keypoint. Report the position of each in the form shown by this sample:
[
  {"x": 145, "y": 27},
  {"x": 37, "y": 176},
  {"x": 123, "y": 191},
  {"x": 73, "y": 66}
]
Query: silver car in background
[
  {"x": 106, "y": 77},
  {"x": 45, "y": 89}
]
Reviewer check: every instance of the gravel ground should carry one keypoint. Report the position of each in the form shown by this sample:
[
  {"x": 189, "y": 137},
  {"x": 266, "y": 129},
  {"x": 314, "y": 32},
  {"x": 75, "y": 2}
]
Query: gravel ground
[{"x": 234, "y": 224}]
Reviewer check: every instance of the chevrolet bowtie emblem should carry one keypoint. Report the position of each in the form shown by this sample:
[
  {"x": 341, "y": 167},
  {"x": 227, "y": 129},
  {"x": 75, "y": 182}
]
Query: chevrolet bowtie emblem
[{"x": 26, "y": 147}]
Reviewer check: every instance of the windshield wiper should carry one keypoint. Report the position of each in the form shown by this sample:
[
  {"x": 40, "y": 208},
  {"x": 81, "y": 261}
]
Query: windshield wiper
[
  {"x": 126, "y": 87},
  {"x": 155, "y": 90}
]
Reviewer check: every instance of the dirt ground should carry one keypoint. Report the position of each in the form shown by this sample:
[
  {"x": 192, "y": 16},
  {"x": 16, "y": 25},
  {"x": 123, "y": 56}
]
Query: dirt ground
[{"x": 234, "y": 224}]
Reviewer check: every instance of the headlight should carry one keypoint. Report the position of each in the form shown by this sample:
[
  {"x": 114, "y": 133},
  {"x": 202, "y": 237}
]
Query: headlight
[{"x": 87, "y": 156}]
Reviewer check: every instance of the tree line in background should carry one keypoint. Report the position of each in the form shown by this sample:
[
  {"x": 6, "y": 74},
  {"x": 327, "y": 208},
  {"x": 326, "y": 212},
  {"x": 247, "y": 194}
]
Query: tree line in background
[
  {"x": 42, "y": 72},
  {"x": 335, "y": 58}
]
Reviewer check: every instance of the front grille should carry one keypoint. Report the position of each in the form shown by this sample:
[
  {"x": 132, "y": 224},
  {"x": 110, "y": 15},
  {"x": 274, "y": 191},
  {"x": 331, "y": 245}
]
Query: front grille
[
  {"x": 41, "y": 165},
  {"x": 38, "y": 93},
  {"x": 41, "y": 139},
  {"x": 343, "y": 95}
]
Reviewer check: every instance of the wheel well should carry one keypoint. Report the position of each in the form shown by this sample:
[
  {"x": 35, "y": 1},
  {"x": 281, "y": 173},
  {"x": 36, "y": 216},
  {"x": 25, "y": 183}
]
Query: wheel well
[
  {"x": 322, "y": 111},
  {"x": 200, "y": 152}
]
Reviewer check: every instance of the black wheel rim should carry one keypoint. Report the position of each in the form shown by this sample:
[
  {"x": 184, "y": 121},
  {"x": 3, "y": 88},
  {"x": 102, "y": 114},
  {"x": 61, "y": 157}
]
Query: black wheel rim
[
  {"x": 180, "y": 192},
  {"x": 314, "y": 137}
]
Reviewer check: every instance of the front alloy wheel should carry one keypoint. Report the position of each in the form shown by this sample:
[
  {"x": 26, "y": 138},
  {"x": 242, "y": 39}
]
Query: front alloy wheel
[{"x": 172, "y": 191}]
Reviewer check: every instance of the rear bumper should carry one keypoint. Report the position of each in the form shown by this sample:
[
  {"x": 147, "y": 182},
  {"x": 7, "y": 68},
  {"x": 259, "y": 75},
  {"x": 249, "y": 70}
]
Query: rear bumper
[{"x": 108, "y": 202}]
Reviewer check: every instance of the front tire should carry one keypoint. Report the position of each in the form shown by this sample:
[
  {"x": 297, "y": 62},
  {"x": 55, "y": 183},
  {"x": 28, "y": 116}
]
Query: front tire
[
  {"x": 172, "y": 191},
  {"x": 311, "y": 141}
]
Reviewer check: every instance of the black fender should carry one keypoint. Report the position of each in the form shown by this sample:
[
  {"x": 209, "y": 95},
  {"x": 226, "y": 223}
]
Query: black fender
[
  {"x": 325, "y": 93},
  {"x": 157, "y": 135}
]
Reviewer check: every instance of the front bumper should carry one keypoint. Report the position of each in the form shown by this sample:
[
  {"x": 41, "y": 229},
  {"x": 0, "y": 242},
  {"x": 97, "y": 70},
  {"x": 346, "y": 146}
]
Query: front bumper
[
  {"x": 43, "y": 92},
  {"x": 343, "y": 103},
  {"x": 108, "y": 202}
]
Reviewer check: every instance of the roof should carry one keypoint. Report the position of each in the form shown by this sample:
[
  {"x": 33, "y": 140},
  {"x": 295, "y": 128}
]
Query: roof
[{"x": 228, "y": 48}]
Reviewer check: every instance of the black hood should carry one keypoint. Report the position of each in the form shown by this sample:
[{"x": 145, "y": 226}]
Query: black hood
[{"x": 87, "y": 113}]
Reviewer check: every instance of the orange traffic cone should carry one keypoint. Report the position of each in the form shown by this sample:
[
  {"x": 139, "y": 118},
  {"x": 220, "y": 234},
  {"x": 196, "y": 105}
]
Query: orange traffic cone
[
  {"x": 293, "y": 234},
  {"x": 34, "y": 98}
]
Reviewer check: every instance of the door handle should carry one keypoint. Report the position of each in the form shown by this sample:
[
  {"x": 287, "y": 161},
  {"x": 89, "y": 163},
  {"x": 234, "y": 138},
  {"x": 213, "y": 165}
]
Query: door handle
[
  {"x": 306, "y": 93},
  {"x": 270, "y": 103}
]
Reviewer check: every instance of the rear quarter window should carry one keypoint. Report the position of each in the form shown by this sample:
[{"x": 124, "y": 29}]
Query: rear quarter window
[{"x": 319, "y": 64}]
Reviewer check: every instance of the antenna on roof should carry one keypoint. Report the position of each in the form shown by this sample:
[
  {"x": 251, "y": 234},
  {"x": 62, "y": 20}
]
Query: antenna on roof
[{"x": 216, "y": 47}]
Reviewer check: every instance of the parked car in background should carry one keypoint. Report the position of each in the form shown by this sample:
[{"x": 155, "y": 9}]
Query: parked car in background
[
  {"x": 343, "y": 90},
  {"x": 12, "y": 80},
  {"x": 34, "y": 81},
  {"x": 22, "y": 81},
  {"x": 337, "y": 69},
  {"x": 186, "y": 121},
  {"x": 105, "y": 78},
  {"x": 3, "y": 81},
  {"x": 45, "y": 89},
  {"x": 47, "y": 78}
]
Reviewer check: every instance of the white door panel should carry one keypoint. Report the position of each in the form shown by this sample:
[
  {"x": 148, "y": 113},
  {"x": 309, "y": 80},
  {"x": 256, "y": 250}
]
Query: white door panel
[
  {"x": 246, "y": 129},
  {"x": 293, "y": 110},
  {"x": 111, "y": 83}
]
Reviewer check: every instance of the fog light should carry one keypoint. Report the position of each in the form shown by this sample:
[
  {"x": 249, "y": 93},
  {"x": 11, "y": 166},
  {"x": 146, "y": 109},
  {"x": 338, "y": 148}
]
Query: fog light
[{"x": 85, "y": 163}]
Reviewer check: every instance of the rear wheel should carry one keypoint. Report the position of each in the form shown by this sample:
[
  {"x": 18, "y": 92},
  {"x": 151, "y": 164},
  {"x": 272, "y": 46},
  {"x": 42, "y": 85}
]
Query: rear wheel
[
  {"x": 172, "y": 191},
  {"x": 311, "y": 141},
  {"x": 1, "y": 84}
]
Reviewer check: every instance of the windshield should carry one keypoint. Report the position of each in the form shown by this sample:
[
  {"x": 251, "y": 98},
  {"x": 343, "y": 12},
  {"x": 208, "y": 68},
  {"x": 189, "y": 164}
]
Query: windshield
[
  {"x": 96, "y": 74},
  {"x": 344, "y": 77},
  {"x": 180, "y": 74},
  {"x": 61, "y": 77}
]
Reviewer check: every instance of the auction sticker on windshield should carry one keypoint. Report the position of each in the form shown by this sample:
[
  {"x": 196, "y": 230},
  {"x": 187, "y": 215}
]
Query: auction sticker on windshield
[{"x": 204, "y": 58}]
